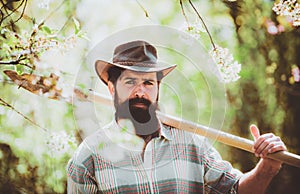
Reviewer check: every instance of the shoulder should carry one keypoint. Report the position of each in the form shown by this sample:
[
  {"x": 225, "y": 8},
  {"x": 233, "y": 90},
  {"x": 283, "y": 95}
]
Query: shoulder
[
  {"x": 187, "y": 137},
  {"x": 89, "y": 146},
  {"x": 181, "y": 132}
]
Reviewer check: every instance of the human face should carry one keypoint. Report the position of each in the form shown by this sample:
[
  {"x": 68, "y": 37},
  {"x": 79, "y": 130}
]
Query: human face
[{"x": 132, "y": 84}]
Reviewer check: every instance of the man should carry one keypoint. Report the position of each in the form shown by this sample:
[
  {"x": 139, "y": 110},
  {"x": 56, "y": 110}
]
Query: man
[{"x": 136, "y": 153}]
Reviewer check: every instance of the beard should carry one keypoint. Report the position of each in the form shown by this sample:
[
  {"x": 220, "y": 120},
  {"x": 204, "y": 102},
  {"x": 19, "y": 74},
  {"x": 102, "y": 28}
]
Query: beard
[{"x": 141, "y": 112}]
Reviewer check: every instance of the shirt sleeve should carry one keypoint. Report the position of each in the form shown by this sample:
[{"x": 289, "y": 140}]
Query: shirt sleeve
[
  {"x": 80, "y": 171},
  {"x": 220, "y": 176}
]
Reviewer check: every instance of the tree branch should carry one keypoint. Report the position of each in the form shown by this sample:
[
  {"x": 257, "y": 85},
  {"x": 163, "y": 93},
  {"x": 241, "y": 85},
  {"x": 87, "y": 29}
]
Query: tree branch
[
  {"x": 16, "y": 62},
  {"x": 4, "y": 103},
  {"x": 183, "y": 13},
  {"x": 145, "y": 11},
  {"x": 12, "y": 11},
  {"x": 199, "y": 16},
  {"x": 22, "y": 13}
]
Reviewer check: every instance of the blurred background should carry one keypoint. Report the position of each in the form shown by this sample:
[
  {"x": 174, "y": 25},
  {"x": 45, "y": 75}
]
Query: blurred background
[{"x": 43, "y": 57}]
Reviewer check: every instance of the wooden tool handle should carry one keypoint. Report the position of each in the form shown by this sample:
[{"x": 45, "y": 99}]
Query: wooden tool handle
[
  {"x": 226, "y": 138},
  {"x": 220, "y": 136}
]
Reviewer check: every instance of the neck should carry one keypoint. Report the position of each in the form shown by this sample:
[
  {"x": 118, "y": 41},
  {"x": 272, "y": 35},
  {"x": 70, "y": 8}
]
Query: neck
[{"x": 147, "y": 131}]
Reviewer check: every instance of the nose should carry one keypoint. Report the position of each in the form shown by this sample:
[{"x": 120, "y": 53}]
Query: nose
[{"x": 140, "y": 91}]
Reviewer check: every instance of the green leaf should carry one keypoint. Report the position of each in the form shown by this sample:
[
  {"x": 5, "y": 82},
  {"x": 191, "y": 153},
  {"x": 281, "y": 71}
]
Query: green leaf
[
  {"x": 19, "y": 69},
  {"x": 82, "y": 86},
  {"x": 101, "y": 146},
  {"x": 6, "y": 47},
  {"x": 76, "y": 25},
  {"x": 83, "y": 35},
  {"x": 46, "y": 29}
]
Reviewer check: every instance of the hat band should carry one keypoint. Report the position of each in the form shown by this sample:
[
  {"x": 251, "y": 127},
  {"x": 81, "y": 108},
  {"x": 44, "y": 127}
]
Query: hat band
[{"x": 134, "y": 63}]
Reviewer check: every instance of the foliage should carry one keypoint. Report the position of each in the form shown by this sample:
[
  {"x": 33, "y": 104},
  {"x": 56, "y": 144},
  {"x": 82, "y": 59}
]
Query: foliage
[{"x": 43, "y": 44}]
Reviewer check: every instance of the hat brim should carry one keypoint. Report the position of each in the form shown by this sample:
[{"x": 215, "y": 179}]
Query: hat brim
[{"x": 103, "y": 66}]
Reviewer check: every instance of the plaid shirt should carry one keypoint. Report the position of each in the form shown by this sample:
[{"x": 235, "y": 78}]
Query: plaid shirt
[{"x": 115, "y": 160}]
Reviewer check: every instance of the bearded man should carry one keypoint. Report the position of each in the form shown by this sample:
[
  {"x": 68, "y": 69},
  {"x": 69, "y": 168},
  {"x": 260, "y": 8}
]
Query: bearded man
[{"x": 136, "y": 153}]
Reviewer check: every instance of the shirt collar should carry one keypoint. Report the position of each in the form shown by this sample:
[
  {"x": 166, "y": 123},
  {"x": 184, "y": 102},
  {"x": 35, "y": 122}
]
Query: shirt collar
[
  {"x": 165, "y": 131},
  {"x": 127, "y": 126}
]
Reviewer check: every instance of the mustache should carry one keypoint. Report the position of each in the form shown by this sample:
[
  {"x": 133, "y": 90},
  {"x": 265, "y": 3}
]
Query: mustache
[
  {"x": 143, "y": 118},
  {"x": 127, "y": 109},
  {"x": 137, "y": 100}
]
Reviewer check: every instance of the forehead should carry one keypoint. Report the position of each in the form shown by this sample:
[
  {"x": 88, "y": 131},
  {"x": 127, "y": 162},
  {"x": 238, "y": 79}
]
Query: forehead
[{"x": 138, "y": 75}]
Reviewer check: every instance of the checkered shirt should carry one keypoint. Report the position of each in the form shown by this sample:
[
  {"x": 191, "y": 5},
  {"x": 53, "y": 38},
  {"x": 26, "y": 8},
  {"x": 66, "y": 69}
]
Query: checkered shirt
[{"x": 114, "y": 160}]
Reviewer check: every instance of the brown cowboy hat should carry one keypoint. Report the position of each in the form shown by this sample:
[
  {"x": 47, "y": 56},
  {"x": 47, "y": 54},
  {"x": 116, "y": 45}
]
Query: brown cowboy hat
[{"x": 137, "y": 56}]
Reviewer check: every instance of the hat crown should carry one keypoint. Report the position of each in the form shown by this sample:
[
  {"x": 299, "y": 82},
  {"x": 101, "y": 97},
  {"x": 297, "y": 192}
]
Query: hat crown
[
  {"x": 135, "y": 52},
  {"x": 138, "y": 56}
]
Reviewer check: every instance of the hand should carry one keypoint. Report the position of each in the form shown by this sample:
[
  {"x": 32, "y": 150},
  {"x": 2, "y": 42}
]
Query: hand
[{"x": 266, "y": 144}]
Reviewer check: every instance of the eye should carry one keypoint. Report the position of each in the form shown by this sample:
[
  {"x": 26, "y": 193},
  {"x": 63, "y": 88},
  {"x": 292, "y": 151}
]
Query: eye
[
  {"x": 130, "y": 82},
  {"x": 149, "y": 83}
]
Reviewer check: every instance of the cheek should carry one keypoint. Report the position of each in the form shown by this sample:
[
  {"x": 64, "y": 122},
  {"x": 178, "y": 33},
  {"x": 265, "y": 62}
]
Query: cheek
[
  {"x": 123, "y": 94},
  {"x": 153, "y": 94}
]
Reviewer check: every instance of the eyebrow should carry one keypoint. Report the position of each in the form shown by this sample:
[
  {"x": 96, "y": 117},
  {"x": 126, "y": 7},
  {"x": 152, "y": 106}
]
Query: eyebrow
[{"x": 132, "y": 78}]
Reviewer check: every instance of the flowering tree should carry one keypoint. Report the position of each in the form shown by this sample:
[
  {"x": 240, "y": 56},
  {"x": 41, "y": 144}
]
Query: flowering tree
[{"x": 27, "y": 164}]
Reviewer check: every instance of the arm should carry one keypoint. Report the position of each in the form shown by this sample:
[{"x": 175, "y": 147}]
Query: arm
[
  {"x": 80, "y": 172},
  {"x": 258, "y": 179},
  {"x": 87, "y": 186},
  {"x": 80, "y": 181}
]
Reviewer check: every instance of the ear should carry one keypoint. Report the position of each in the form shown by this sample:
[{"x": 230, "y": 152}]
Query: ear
[{"x": 111, "y": 88}]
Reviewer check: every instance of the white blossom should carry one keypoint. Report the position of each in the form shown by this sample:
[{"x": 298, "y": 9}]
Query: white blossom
[
  {"x": 289, "y": 8},
  {"x": 193, "y": 29},
  {"x": 60, "y": 142},
  {"x": 43, "y": 42},
  {"x": 66, "y": 90},
  {"x": 44, "y": 4},
  {"x": 228, "y": 68}
]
